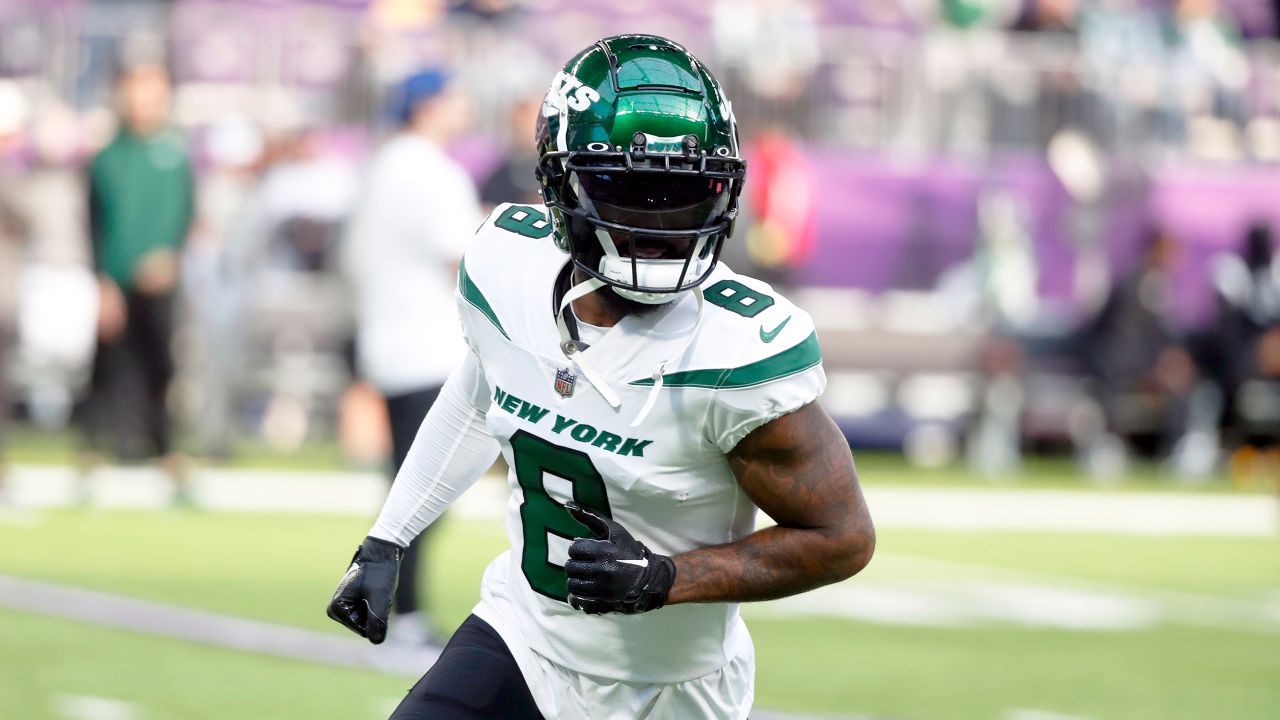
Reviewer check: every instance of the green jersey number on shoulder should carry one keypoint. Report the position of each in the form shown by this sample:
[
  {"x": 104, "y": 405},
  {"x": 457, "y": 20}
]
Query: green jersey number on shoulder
[
  {"x": 524, "y": 220},
  {"x": 737, "y": 298},
  {"x": 542, "y": 516}
]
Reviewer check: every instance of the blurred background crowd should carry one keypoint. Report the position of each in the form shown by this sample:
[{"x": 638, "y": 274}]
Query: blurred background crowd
[{"x": 1022, "y": 226}]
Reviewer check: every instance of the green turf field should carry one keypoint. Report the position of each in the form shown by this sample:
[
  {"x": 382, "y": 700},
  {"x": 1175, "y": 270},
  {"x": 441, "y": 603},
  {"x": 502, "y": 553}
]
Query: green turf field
[
  {"x": 1212, "y": 653},
  {"x": 46, "y": 664}
]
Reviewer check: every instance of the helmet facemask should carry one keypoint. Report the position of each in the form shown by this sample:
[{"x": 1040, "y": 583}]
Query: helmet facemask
[{"x": 649, "y": 224}]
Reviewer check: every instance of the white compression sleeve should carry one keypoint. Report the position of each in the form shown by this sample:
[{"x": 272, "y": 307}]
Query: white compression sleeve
[{"x": 452, "y": 450}]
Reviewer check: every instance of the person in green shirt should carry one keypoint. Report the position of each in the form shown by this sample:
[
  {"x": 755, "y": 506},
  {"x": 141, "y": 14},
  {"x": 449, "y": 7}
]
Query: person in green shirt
[{"x": 140, "y": 209}]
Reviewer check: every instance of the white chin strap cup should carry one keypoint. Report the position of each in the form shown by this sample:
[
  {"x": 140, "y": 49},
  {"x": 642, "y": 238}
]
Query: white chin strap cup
[
  {"x": 646, "y": 298},
  {"x": 648, "y": 273}
]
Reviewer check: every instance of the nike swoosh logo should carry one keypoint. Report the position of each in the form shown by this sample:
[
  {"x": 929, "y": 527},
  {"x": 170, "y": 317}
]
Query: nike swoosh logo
[
  {"x": 346, "y": 578},
  {"x": 638, "y": 563},
  {"x": 771, "y": 334}
]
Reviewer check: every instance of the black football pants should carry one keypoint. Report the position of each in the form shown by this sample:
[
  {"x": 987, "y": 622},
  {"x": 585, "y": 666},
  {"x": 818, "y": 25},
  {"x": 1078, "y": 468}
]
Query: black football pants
[
  {"x": 130, "y": 385},
  {"x": 476, "y": 678}
]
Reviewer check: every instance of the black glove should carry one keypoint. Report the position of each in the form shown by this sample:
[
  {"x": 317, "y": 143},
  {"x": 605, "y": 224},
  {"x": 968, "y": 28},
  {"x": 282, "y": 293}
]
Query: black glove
[
  {"x": 614, "y": 572},
  {"x": 362, "y": 601}
]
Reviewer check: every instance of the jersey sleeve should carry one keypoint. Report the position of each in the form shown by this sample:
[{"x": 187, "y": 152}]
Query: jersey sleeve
[
  {"x": 451, "y": 451},
  {"x": 511, "y": 241},
  {"x": 479, "y": 278},
  {"x": 751, "y": 395}
]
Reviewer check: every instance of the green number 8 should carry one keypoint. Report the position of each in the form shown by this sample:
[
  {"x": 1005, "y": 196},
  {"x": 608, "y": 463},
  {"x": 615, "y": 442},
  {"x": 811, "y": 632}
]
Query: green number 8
[
  {"x": 737, "y": 298},
  {"x": 524, "y": 220},
  {"x": 540, "y": 514}
]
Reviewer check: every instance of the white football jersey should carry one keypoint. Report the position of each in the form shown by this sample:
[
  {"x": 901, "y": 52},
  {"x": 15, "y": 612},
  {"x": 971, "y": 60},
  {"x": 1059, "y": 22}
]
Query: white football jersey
[{"x": 753, "y": 356}]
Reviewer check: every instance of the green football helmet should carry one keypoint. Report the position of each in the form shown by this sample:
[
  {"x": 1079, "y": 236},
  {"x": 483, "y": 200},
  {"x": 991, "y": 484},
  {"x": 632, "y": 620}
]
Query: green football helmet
[{"x": 639, "y": 166}]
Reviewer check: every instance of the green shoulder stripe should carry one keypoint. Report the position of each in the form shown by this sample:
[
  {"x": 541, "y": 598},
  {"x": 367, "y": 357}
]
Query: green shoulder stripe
[
  {"x": 476, "y": 298},
  {"x": 801, "y": 357}
]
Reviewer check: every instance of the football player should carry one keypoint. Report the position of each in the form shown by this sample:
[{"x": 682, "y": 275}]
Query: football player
[{"x": 647, "y": 399}]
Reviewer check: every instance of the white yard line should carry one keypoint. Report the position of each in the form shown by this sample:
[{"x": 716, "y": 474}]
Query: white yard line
[
  {"x": 1128, "y": 513},
  {"x": 208, "y": 628},
  {"x": 20, "y": 517},
  {"x": 92, "y": 707},
  {"x": 906, "y": 590},
  {"x": 971, "y": 605},
  {"x": 1261, "y": 614},
  {"x": 932, "y": 508},
  {"x": 218, "y": 630},
  {"x": 1037, "y": 714}
]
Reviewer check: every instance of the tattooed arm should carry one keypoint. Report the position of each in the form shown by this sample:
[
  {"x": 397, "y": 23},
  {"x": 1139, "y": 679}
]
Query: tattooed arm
[{"x": 799, "y": 471}]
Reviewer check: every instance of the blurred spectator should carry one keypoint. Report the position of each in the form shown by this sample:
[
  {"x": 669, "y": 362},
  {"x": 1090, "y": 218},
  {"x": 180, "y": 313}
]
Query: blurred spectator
[
  {"x": 1251, "y": 284},
  {"x": 1122, "y": 51},
  {"x": 959, "y": 54},
  {"x": 965, "y": 14},
  {"x": 417, "y": 209},
  {"x": 995, "y": 288},
  {"x": 783, "y": 197},
  {"x": 140, "y": 209},
  {"x": 994, "y": 291},
  {"x": 304, "y": 197},
  {"x": 769, "y": 50},
  {"x": 513, "y": 180},
  {"x": 12, "y": 238},
  {"x": 492, "y": 48},
  {"x": 1208, "y": 63},
  {"x": 399, "y": 34},
  {"x": 213, "y": 279},
  {"x": 1049, "y": 16},
  {"x": 1143, "y": 374},
  {"x": 486, "y": 11},
  {"x": 1240, "y": 347},
  {"x": 12, "y": 234},
  {"x": 286, "y": 312},
  {"x": 57, "y": 291},
  {"x": 1056, "y": 22}
]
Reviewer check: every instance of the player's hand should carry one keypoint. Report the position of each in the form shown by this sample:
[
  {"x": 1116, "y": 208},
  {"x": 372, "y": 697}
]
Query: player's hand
[
  {"x": 612, "y": 571},
  {"x": 362, "y": 601}
]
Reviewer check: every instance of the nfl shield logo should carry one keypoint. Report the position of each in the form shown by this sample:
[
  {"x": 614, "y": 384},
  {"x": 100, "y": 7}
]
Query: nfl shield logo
[{"x": 564, "y": 382}]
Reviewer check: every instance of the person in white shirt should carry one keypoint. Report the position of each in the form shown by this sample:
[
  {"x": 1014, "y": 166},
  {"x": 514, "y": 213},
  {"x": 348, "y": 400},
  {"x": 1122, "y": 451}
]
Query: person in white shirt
[{"x": 417, "y": 210}]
